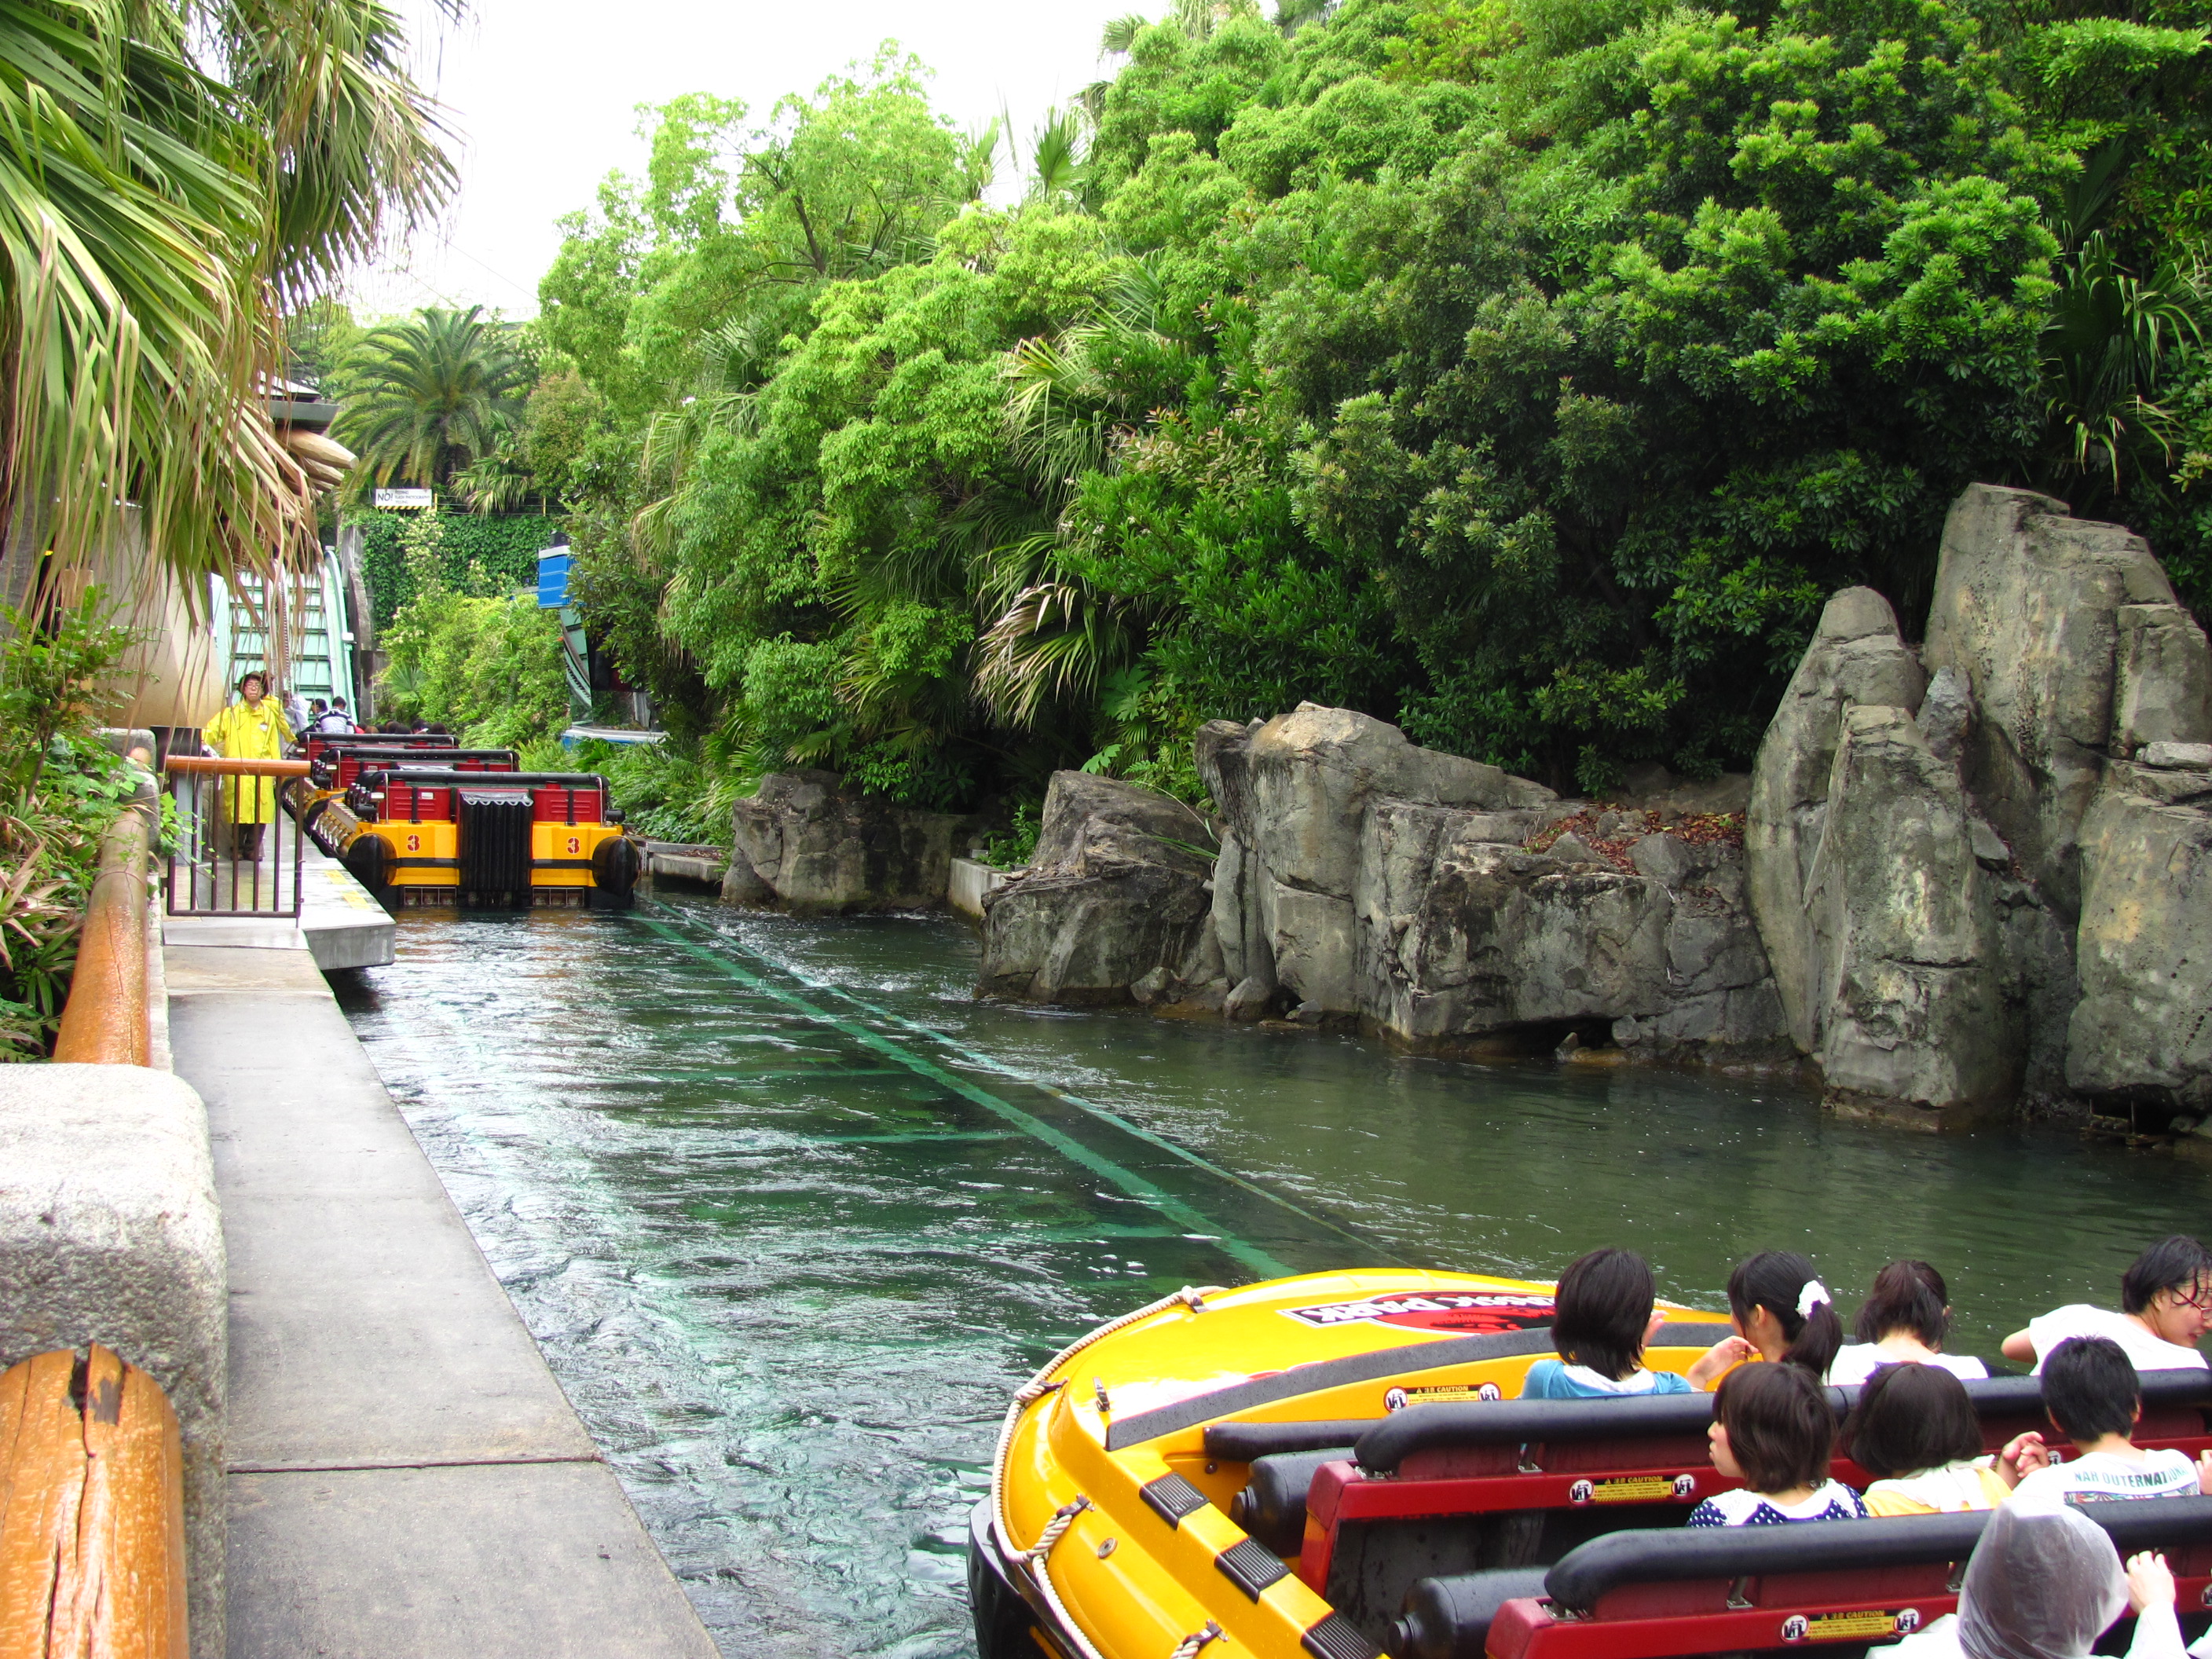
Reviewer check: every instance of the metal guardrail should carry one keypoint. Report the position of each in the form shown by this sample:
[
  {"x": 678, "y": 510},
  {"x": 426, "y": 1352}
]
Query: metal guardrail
[{"x": 219, "y": 867}]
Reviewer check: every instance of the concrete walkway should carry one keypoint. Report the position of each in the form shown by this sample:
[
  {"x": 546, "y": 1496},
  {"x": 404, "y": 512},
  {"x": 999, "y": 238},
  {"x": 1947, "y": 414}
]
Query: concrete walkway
[{"x": 408, "y": 1481}]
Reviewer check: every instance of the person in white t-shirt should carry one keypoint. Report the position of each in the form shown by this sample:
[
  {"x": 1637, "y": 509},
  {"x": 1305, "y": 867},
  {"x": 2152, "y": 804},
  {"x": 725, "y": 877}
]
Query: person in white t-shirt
[
  {"x": 2166, "y": 1305},
  {"x": 2092, "y": 1396},
  {"x": 1904, "y": 1322}
]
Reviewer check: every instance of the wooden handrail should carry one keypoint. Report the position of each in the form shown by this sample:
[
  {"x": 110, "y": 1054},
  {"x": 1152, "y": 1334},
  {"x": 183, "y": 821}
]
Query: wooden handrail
[
  {"x": 203, "y": 764},
  {"x": 104, "y": 1021},
  {"x": 92, "y": 1512}
]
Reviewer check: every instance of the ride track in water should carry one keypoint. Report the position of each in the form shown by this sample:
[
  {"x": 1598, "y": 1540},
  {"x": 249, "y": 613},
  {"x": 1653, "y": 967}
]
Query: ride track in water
[{"x": 792, "y": 1215}]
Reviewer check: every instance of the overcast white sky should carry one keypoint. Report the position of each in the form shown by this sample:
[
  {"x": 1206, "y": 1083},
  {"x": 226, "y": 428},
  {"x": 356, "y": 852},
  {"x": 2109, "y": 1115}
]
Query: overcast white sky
[{"x": 544, "y": 95}]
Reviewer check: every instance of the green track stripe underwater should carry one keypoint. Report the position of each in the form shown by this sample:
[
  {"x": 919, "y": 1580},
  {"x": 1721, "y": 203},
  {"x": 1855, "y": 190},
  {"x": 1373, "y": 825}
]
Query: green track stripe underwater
[
  {"x": 1191, "y": 1220},
  {"x": 1365, "y": 1247}
]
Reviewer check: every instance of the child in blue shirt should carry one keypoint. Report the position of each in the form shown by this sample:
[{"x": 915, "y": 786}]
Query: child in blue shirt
[{"x": 1602, "y": 1318}]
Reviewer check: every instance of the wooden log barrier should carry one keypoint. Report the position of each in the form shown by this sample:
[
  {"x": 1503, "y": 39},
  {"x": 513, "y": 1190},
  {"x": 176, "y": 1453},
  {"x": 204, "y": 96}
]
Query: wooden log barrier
[
  {"x": 104, "y": 1021},
  {"x": 92, "y": 1512}
]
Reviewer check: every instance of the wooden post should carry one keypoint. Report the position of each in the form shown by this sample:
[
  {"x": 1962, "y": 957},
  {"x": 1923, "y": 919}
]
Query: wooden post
[
  {"x": 92, "y": 1512},
  {"x": 104, "y": 1021}
]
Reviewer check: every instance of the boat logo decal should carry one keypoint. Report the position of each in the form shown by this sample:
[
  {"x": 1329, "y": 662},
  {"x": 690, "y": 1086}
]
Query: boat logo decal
[
  {"x": 1461, "y": 1313},
  {"x": 1397, "y": 1399},
  {"x": 1851, "y": 1626},
  {"x": 1633, "y": 1489}
]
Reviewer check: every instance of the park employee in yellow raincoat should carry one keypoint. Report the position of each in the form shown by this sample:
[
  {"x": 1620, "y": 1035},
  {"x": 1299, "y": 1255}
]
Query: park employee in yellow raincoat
[{"x": 253, "y": 728}]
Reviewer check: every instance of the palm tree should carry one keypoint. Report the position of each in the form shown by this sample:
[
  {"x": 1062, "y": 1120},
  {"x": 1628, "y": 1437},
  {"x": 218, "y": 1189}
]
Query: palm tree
[
  {"x": 427, "y": 397},
  {"x": 171, "y": 174}
]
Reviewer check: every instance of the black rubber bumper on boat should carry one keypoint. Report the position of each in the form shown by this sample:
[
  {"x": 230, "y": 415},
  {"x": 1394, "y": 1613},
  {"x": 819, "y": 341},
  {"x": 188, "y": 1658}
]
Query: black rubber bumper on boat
[{"x": 1009, "y": 1624}]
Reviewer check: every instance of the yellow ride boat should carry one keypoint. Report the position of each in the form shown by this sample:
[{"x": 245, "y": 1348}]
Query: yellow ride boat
[{"x": 1184, "y": 1477}]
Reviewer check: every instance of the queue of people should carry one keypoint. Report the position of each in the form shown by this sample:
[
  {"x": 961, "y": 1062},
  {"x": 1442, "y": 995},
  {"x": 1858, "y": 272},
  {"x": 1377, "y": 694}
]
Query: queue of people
[{"x": 2045, "y": 1582}]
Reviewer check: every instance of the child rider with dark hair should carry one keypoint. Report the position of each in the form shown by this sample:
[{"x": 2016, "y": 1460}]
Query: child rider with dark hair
[
  {"x": 1602, "y": 1317},
  {"x": 1774, "y": 1430},
  {"x": 1915, "y": 1430},
  {"x": 2092, "y": 1397},
  {"x": 1905, "y": 1320}
]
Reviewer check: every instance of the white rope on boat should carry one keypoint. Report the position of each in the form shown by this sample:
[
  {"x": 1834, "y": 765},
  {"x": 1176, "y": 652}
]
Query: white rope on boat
[
  {"x": 1033, "y": 1390},
  {"x": 1054, "y": 1530},
  {"x": 1197, "y": 1639}
]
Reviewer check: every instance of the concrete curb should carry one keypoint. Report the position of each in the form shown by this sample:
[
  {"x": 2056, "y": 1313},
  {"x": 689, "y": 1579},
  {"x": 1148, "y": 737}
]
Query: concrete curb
[{"x": 109, "y": 1233}]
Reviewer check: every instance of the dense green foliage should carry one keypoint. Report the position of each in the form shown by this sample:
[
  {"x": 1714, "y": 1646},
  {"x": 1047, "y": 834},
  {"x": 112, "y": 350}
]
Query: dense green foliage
[
  {"x": 1527, "y": 371},
  {"x": 464, "y": 650},
  {"x": 60, "y": 786},
  {"x": 504, "y": 550}
]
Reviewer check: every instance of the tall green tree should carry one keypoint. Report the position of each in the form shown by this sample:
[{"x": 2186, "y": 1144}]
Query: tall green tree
[
  {"x": 432, "y": 394},
  {"x": 172, "y": 174}
]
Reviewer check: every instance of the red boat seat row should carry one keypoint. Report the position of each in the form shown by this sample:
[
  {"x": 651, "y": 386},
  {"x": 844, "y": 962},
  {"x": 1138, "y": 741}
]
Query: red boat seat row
[{"x": 1731, "y": 1589}]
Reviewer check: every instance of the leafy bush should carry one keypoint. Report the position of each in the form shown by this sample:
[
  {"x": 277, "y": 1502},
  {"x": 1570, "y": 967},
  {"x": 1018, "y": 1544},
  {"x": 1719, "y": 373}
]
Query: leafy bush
[
  {"x": 485, "y": 663},
  {"x": 504, "y": 550},
  {"x": 60, "y": 789}
]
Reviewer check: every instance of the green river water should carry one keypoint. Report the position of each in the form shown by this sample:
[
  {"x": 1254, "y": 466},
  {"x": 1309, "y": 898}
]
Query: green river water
[{"x": 790, "y": 1213}]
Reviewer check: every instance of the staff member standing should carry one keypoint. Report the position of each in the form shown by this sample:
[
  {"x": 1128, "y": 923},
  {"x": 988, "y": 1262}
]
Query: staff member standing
[{"x": 253, "y": 728}]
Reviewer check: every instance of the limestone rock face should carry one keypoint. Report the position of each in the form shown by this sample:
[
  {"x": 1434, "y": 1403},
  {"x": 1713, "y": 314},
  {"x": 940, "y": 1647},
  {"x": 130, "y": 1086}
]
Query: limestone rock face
[
  {"x": 2027, "y": 610},
  {"x": 1856, "y": 659},
  {"x": 2143, "y": 1025},
  {"x": 1114, "y": 906},
  {"x": 806, "y": 844},
  {"x": 2161, "y": 681},
  {"x": 1462, "y": 935},
  {"x": 1292, "y": 791},
  {"x": 1903, "y": 927}
]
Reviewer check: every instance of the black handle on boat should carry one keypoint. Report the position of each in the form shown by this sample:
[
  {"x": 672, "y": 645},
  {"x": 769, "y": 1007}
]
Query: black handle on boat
[
  {"x": 1449, "y": 1618},
  {"x": 1247, "y": 1443}
]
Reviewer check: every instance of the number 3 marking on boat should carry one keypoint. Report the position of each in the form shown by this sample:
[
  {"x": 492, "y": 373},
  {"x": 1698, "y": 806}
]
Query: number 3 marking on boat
[
  {"x": 576, "y": 845},
  {"x": 414, "y": 843}
]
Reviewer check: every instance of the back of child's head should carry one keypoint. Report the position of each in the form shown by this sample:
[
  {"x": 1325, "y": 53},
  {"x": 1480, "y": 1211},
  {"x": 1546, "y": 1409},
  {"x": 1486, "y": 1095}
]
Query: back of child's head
[
  {"x": 1781, "y": 1430},
  {"x": 1784, "y": 1283},
  {"x": 1912, "y": 1417},
  {"x": 2089, "y": 1387},
  {"x": 2175, "y": 1263},
  {"x": 1601, "y": 1309},
  {"x": 1907, "y": 1295}
]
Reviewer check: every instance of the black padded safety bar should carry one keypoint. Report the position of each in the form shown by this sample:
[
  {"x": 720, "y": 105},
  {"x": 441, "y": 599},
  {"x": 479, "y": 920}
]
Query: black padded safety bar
[
  {"x": 433, "y": 777},
  {"x": 1587, "y": 1573},
  {"x": 1390, "y": 1442}
]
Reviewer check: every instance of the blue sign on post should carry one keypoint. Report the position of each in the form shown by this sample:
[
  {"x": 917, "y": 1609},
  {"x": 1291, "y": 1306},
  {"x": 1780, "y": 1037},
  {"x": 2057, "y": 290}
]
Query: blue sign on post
[{"x": 553, "y": 579}]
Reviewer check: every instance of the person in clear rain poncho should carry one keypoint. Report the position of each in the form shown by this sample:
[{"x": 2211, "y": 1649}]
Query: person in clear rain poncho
[{"x": 2044, "y": 1582}]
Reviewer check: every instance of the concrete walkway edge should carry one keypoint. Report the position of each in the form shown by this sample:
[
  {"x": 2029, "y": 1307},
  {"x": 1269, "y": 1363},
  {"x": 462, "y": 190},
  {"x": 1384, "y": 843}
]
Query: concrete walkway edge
[{"x": 407, "y": 1478}]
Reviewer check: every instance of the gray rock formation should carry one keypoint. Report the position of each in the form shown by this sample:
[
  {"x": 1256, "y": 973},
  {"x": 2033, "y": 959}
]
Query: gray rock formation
[
  {"x": 807, "y": 845},
  {"x": 1113, "y": 907},
  {"x": 1902, "y": 928},
  {"x": 1926, "y": 887},
  {"x": 1292, "y": 792},
  {"x": 1465, "y": 937},
  {"x": 2143, "y": 1028},
  {"x": 1857, "y": 659},
  {"x": 2027, "y": 610}
]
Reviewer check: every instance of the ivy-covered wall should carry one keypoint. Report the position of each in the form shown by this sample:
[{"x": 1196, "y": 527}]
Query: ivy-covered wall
[{"x": 506, "y": 548}]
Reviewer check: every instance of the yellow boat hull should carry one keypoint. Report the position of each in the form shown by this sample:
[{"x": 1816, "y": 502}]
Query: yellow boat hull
[{"x": 1103, "y": 1456}]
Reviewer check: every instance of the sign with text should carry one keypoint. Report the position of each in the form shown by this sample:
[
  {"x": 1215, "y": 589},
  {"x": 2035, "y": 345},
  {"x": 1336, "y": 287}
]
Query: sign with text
[{"x": 406, "y": 500}]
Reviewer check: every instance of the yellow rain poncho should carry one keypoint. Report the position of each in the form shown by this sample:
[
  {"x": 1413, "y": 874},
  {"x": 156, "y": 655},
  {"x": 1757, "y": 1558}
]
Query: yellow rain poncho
[{"x": 243, "y": 733}]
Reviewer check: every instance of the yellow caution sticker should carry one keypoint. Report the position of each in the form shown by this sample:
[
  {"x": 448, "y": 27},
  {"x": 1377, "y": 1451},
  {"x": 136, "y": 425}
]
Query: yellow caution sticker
[
  {"x": 1633, "y": 1489},
  {"x": 1855, "y": 1626},
  {"x": 1396, "y": 1399}
]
